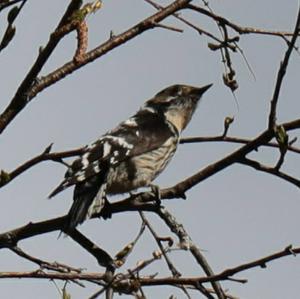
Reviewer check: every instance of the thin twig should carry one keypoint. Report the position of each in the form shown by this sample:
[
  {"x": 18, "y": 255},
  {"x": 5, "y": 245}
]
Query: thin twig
[
  {"x": 187, "y": 243},
  {"x": 121, "y": 257},
  {"x": 168, "y": 27},
  {"x": 228, "y": 139},
  {"x": 281, "y": 73},
  {"x": 270, "y": 170},
  {"x": 239, "y": 29},
  {"x": 185, "y": 21},
  {"x": 55, "y": 266},
  {"x": 171, "y": 266}
]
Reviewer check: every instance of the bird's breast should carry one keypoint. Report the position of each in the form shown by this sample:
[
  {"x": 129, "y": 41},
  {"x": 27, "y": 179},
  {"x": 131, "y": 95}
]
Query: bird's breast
[{"x": 140, "y": 171}]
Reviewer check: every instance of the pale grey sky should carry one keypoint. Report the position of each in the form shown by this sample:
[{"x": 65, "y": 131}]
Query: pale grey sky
[{"x": 237, "y": 215}]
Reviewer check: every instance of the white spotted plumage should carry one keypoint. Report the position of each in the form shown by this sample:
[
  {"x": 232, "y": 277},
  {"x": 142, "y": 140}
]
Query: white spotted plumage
[
  {"x": 106, "y": 149},
  {"x": 85, "y": 161},
  {"x": 131, "y": 122},
  {"x": 132, "y": 155}
]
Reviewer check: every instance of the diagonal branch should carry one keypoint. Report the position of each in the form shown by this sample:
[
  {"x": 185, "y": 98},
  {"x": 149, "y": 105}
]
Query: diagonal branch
[
  {"x": 281, "y": 74},
  {"x": 102, "y": 257},
  {"x": 264, "y": 138},
  {"x": 180, "y": 188},
  {"x": 185, "y": 21},
  {"x": 27, "y": 90},
  {"x": 270, "y": 170},
  {"x": 44, "y": 156},
  {"x": 171, "y": 266},
  {"x": 55, "y": 266},
  {"x": 115, "y": 41},
  {"x": 20, "y": 100},
  {"x": 5, "y": 4},
  {"x": 187, "y": 243}
]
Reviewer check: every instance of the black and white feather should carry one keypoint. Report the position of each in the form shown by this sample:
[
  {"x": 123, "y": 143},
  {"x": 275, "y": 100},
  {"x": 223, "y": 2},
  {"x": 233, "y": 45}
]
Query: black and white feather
[{"x": 132, "y": 155}]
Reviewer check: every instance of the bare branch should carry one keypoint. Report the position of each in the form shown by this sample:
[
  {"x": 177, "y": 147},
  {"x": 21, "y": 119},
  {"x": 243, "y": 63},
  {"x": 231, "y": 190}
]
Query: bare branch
[
  {"x": 132, "y": 282},
  {"x": 168, "y": 27},
  {"x": 271, "y": 170},
  {"x": 264, "y": 138},
  {"x": 171, "y": 266},
  {"x": 185, "y": 21},
  {"x": 82, "y": 41},
  {"x": 103, "y": 258},
  {"x": 187, "y": 243},
  {"x": 5, "y": 4},
  {"x": 27, "y": 90},
  {"x": 21, "y": 99},
  {"x": 11, "y": 238},
  {"x": 239, "y": 29},
  {"x": 120, "y": 284},
  {"x": 122, "y": 255},
  {"x": 55, "y": 266},
  {"x": 281, "y": 74},
  {"x": 238, "y": 140},
  {"x": 44, "y": 156}
]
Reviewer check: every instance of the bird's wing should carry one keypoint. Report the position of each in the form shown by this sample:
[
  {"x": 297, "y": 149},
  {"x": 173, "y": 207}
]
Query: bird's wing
[{"x": 142, "y": 133}]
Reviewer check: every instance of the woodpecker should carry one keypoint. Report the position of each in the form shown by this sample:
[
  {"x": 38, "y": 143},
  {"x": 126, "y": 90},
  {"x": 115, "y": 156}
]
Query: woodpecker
[{"x": 132, "y": 155}]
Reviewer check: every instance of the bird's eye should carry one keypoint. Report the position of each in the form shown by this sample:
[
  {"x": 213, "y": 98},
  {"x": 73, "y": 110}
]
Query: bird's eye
[{"x": 176, "y": 90}]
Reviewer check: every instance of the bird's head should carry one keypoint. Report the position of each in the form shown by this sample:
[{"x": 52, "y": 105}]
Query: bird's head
[{"x": 177, "y": 103}]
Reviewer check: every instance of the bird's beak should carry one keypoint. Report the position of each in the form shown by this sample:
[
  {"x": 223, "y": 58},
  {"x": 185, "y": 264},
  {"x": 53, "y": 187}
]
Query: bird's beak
[
  {"x": 205, "y": 88},
  {"x": 199, "y": 91}
]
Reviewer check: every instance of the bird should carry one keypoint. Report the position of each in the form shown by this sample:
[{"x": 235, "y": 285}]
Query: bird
[{"x": 131, "y": 155}]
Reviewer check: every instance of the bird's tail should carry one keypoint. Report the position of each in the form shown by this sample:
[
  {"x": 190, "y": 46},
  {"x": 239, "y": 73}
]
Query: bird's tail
[
  {"x": 89, "y": 198},
  {"x": 64, "y": 185}
]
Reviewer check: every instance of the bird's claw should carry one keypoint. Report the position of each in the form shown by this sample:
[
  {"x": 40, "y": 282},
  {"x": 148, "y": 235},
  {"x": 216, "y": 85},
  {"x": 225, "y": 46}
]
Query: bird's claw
[
  {"x": 156, "y": 191},
  {"x": 106, "y": 210}
]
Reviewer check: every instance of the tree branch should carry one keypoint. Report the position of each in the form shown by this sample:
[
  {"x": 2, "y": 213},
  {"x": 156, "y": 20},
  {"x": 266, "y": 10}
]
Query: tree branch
[
  {"x": 27, "y": 91},
  {"x": 264, "y": 138},
  {"x": 239, "y": 29},
  {"x": 270, "y": 170},
  {"x": 44, "y": 156},
  {"x": 11, "y": 238},
  {"x": 142, "y": 201},
  {"x": 102, "y": 257},
  {"x": 21, "y": 98},
  {"x": 281, "y": 74},
  {"x": 55, "y": 266},
  {"x": 229, "y": 139},
  {"x": 158, "y": 240},
  {"x": 5, "y": 4},
  {"x": 120, "y": 284},
  {"x": 187, "y": 243}
]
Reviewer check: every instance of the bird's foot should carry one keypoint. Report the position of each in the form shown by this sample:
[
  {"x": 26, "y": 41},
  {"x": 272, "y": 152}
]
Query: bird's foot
[
  {"x": 156, "y": 191},
  {"x": 106, "y": 210}
]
